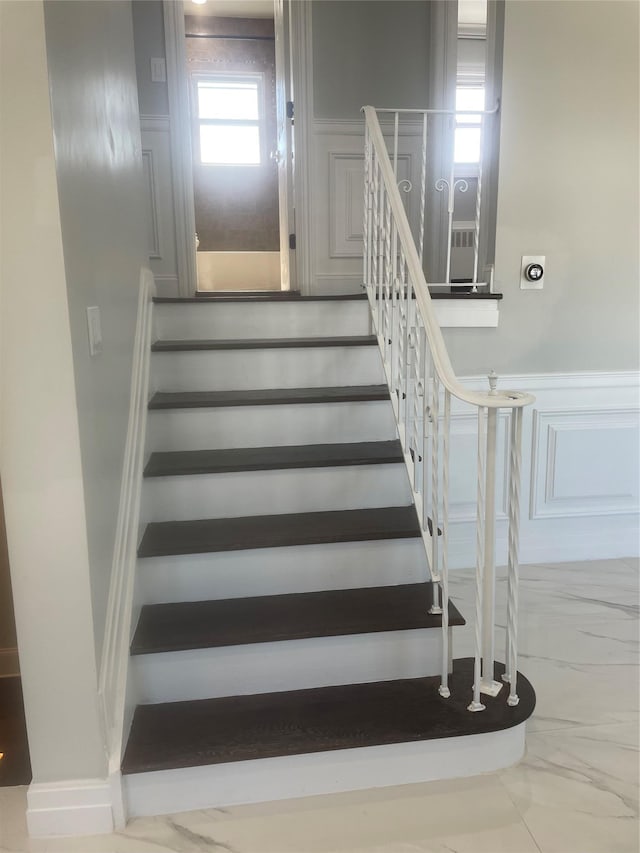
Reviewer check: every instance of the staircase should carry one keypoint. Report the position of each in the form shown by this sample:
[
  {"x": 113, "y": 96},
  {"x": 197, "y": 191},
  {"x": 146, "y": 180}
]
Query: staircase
[{"x": 283, "y": 640}]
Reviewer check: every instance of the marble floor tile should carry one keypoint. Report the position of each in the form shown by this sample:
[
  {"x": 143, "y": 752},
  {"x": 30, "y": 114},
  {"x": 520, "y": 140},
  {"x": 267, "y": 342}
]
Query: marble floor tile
[
  {"x": 577, "y": 790},
  {"x": 577, "y": 661},
  {"x": 13, "y": 824},
  {"x": 409, "y": 818}
]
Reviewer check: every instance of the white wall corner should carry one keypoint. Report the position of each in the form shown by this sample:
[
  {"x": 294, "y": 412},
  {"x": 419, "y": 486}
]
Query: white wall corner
[{"x": 75, "y": 807}]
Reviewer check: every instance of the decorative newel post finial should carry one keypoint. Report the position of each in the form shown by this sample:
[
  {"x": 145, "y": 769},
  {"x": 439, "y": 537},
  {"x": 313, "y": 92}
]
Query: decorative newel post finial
[{"x": 493, "y": 383}]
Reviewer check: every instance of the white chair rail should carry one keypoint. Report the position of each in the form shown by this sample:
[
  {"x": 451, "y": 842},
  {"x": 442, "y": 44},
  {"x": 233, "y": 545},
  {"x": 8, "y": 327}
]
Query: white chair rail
[{"x": 422, "y": 383}]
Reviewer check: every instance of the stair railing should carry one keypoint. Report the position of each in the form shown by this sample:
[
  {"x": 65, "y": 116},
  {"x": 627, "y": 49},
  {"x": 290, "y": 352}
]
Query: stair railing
[{"x": 422, "y": 384}]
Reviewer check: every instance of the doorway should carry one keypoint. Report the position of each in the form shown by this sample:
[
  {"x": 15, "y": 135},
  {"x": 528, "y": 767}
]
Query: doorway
[{"x": 235, "y": 79}]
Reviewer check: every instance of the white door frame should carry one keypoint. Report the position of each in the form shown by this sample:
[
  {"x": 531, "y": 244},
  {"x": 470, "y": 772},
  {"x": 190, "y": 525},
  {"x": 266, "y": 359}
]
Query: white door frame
[
  {"x": 180, "y": 144},
  {"x": 180, "y": 137}
]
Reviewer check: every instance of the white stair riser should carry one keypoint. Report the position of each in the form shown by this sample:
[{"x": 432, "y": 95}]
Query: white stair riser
[
  {"x": 288, "y": 777},
  {"x": 287, "y": 665},
  {"x": 278, "y": 571},
  {"x": 274, "y": 492},
  {"x": 240, "y": 370},
  {"x": 270, "y": 426},
  {"x": 233, "y": 320}
]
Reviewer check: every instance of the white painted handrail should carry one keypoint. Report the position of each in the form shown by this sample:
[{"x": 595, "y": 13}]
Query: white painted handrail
[{"x": 422, "y": 384}]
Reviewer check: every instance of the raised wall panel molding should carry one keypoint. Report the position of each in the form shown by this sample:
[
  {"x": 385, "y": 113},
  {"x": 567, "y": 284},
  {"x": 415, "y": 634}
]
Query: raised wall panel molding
[
  {"x": 155, "y": 123},
  {"x": 578, "y": 382},
  {"x": 346, "y": 201},
  {"x": 346, "y": 189},
  {"x": 585, "y": 462},
  {"x": 153, "y": 246},
  {"x": 156, "y": 159},
  {"x": 579, "y": 440}
]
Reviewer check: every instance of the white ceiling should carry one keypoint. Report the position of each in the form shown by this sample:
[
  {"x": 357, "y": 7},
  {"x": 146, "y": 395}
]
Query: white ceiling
[{"x": 231, "y": 8}]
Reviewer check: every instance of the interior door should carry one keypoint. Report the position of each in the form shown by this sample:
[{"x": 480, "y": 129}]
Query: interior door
[{"x": 283, "y": 149}]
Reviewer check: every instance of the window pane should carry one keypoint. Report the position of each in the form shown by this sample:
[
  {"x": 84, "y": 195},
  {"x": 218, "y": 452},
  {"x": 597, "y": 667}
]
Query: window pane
[
  {"x": 228, "y": 99},
  {"x": 467, "y": 145},
  {"x": 230, "y": 144},
  {"x": 470, "y": 98}
]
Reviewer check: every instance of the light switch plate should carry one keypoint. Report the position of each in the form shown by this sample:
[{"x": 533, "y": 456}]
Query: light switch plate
[
  {"x": 95, "y": 330},
  {"x": 158, "y": 70},
  {"x": 525, "y": 284}
]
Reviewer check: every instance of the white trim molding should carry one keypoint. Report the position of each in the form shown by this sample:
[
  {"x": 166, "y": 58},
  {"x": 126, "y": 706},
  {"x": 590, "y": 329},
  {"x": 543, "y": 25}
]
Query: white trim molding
[
  {"x": 76, "y": 807},
  {"x": 180, "y": 132},
  {"x": 301, "y": 61},
  {"x": 115, "y": 653},
  {"x": 160, "y": 123}
]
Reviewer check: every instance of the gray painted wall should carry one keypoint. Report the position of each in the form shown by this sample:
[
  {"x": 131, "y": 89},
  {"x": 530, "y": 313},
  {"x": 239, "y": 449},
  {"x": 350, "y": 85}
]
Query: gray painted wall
[
  {"x": 99, "y": 168},
  {"x": 42, "y": 478},
  {"x": 369, "y": 53},
  {"x": 148, "y": 33},
  {"x": 569, "y": 109}
]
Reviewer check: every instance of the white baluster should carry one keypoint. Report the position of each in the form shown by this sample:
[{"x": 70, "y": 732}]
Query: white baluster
[
  {"x": 443, "y": 690},
  {"x": 476, "y": 704},
  {"x": 423, "y": 189},
  {"x": 489, "y": 685},
  {"x": 366, "y": 272},
  {"x": 435, "y": 489},
  {"x": 396, "y": 122},
  {"x": 511, "y": 657}
]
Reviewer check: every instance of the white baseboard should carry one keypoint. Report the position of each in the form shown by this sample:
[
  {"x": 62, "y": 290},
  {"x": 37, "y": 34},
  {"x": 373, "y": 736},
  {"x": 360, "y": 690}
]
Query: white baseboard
[
  {"x": 9, "y": 663},
  {"x": 76, "y": 807},
  {"x": 289, "y": 777}
]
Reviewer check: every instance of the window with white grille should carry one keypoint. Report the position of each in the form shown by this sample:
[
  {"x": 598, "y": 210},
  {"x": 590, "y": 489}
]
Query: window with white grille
[{"x": 229, "y": 114}]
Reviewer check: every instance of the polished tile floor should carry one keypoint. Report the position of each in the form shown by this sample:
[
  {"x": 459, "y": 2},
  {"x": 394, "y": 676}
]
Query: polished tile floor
[{"x": 576, "y": 790}]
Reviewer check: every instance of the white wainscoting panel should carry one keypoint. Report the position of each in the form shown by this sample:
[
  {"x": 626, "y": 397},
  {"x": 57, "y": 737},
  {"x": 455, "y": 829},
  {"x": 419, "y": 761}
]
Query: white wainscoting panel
[
  {"x": 337, "y": 191},
  {"x": 585, "y": 462},
  {"x": 580, "y": 469},
  {"x": 156, "y": 159},
  {"x": 336, "y": 179}
]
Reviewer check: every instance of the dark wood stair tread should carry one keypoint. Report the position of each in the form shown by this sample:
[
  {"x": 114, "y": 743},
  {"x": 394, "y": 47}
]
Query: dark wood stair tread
[
  {"x": 163, "y": 538},
  {"x": 263, "y": 343},
  {"x": 295, "y": 616},
  {"x": 240, "y": 728},
  {"x": 174, "y": 463},
  {"x": 267, "y": 397}
]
